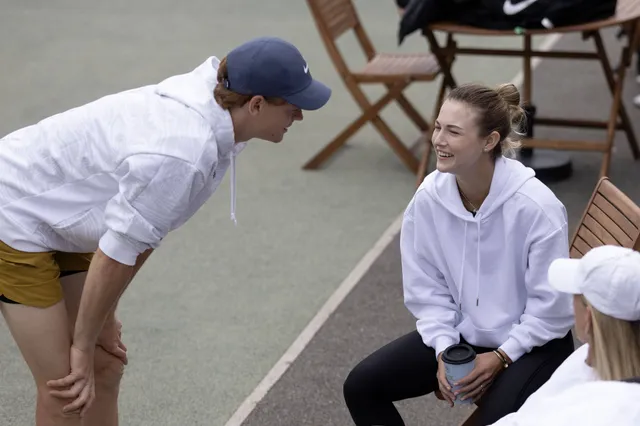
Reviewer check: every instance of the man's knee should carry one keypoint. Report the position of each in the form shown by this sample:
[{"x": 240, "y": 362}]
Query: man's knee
[
  {"x": 50, "y": 407},
  {"x": 108, "y": 370}
]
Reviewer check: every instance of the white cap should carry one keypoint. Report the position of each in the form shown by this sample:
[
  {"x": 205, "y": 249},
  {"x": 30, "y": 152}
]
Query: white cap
[{"x": 607, "y": 276}]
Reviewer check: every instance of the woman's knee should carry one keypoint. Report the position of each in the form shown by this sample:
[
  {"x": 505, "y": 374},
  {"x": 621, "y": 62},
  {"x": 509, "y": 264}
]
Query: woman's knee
[
  {"x": 361, "y": 381},
  {"x": 108, "y": 370}
]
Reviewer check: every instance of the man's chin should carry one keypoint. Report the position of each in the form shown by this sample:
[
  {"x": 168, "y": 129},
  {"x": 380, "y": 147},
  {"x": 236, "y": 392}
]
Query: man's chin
[{"x": 275, "y": 138}]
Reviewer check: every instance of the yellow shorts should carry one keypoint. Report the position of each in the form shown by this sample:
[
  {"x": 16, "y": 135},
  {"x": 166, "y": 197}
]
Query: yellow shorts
[{"x": 33, "y": 279}]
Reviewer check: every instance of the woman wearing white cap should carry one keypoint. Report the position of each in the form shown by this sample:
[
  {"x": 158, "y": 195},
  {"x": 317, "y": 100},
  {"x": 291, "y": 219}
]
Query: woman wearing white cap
[
  {"x": 593, "y": 386},
  {"x": 114, "y": 177}
]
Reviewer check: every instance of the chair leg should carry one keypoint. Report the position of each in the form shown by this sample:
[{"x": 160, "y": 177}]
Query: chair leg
[
  {"x": 412, "y": 113},
  {"x": 424, "y": 162},
  {"x": 423, "y": 168},
  {"x": 444, "y": 55},
  {"x": 405, "y": 154},
  {"x": 369, "y": 114},
  {"x": 615, "y": 87}
]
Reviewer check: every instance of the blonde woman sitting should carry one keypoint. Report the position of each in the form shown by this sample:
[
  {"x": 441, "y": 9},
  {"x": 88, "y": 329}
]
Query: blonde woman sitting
[{"x": 598, "y": 382}]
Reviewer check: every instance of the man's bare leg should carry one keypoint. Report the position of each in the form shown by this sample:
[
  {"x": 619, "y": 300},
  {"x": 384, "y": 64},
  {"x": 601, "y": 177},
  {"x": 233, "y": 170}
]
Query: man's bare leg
[
  {"x": 42, "y": 335},
  {"x": 108, "y": 368}
]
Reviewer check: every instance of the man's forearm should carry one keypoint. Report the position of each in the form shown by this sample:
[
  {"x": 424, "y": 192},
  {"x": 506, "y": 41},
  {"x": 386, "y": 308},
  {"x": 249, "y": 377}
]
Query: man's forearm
[
  {"x": 142, "y": 257},
  {"x": 105, "y": 282}
]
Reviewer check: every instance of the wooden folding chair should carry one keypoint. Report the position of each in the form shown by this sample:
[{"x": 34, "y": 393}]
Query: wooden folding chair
[
  {"x": 396, "y": 71},
  {"x": 610, "y": 218}
]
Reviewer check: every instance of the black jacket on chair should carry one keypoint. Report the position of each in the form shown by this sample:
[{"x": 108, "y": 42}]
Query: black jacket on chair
[{"x": 502, "y": 14}]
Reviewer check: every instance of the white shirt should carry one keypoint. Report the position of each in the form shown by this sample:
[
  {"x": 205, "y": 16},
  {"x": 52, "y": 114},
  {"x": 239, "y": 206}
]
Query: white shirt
[
  {"x": 596, "y": 403},
  {"x": 573, "y": 372},
  {"x": 118, "y": 173}
]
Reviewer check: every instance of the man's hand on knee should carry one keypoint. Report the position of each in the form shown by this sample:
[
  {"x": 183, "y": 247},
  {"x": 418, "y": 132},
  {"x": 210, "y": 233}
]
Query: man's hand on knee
[
  {"x": 108, "y": 369},
  {"x": 110, "y": 339}
]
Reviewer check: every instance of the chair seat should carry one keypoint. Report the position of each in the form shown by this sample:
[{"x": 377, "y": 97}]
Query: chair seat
[{"x": 390, "y": 67}]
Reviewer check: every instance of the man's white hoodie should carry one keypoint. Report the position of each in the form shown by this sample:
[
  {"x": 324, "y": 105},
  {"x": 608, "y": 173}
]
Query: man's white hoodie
[
  {"x": 118, "y": 173},
  {"x": 485, "y": 277}
]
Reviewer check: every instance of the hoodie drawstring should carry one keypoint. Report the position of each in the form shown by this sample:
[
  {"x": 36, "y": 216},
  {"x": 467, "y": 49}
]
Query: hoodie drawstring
[
  {"x": 464, "y": 254},
  {"x": 478, "y": 263},
  {"x": 233, "y": 188},
  {"x": 237, "y": 149}
]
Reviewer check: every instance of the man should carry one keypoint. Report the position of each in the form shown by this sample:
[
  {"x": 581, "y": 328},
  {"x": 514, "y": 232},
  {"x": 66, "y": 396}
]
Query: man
[{"x": 114, "y": 177}]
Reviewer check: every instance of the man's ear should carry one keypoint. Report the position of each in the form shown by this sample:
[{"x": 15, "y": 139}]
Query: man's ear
[{"x": 256, "y": 104}]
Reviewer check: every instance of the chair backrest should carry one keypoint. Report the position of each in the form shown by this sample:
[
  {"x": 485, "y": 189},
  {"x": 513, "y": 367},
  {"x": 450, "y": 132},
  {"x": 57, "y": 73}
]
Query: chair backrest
[
  {"x": 337, "y": 16},
  {"x": 334, "y": 18},
  {"x": 610, "y": 218}
]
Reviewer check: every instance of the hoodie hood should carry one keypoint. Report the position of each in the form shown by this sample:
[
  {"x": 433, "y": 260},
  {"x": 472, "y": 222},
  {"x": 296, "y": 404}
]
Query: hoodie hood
[
  {"x": 508, "y": 177},
  {"x": 195, "y": 91}
]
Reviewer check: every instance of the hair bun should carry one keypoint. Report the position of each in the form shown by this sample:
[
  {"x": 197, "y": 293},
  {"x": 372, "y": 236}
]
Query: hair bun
[{"x": 509, "y": 93}]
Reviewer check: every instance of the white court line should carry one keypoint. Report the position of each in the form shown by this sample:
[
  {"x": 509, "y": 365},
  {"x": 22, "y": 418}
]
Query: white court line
[{"x": 340, "y": 294}]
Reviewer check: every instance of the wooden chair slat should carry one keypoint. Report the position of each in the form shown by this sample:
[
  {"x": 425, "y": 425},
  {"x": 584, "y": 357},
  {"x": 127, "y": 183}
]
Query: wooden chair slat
[
  {"x": 575, "y": 253},
  {"x": 599, "y": 231},
  {"x": 588, "y": 237},
  {"x": 610, "y": 226},
  {"x": 621, "y": 201},
  {"x": 338, "y": 15},
  {"x": 616, "y": 216},
  {"x": 581, "y": 245}
]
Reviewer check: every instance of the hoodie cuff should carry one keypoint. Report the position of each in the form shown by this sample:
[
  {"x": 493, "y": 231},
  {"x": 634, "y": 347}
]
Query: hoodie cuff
[
  {"x": 513, "y": 349},
  {"x": 442, "y": 343},
  {"x": 120, "y": 248}
]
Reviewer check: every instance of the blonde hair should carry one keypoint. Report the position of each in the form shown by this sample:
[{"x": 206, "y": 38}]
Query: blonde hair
[
  {"x": 228, "y": 99},
  {"x": 614, "y": 346},
  {"x": 498, "y": 109}
]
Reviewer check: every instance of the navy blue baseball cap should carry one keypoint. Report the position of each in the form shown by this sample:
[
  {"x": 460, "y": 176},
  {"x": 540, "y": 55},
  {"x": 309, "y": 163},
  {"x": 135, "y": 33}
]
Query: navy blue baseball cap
[{"x": 272, "y": 67}]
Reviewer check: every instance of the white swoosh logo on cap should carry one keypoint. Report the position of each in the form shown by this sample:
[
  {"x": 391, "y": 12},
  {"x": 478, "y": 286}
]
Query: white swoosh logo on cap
[
  {"x": 513, "y": 9},
  {"x": 306, "y": 68}
]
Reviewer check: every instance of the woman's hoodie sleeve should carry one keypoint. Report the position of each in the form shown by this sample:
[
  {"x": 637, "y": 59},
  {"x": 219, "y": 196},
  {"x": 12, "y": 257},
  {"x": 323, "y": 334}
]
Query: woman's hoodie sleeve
[
  {"x": 426, "y": 294},
  {"x": 154, "y": 194},
  {"x": 548, "y": 313}
]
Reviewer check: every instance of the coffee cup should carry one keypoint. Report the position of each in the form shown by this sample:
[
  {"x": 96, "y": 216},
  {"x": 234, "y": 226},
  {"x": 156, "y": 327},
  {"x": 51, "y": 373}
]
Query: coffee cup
[{"x": 459, "y": 360}]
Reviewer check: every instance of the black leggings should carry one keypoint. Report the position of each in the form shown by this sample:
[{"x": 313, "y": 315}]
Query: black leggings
[{"x": 407, "y": 368}]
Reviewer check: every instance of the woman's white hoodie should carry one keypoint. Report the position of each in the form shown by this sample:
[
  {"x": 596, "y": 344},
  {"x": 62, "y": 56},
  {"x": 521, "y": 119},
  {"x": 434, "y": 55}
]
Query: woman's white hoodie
[{"x": 485, "y": 277}]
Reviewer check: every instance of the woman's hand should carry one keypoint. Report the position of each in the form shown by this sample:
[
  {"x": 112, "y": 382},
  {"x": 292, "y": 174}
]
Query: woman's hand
[
  {"x": 444, "y": 389},
  {"x": 79, "y": 385},
  {"x": 476, "y": 383}
]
